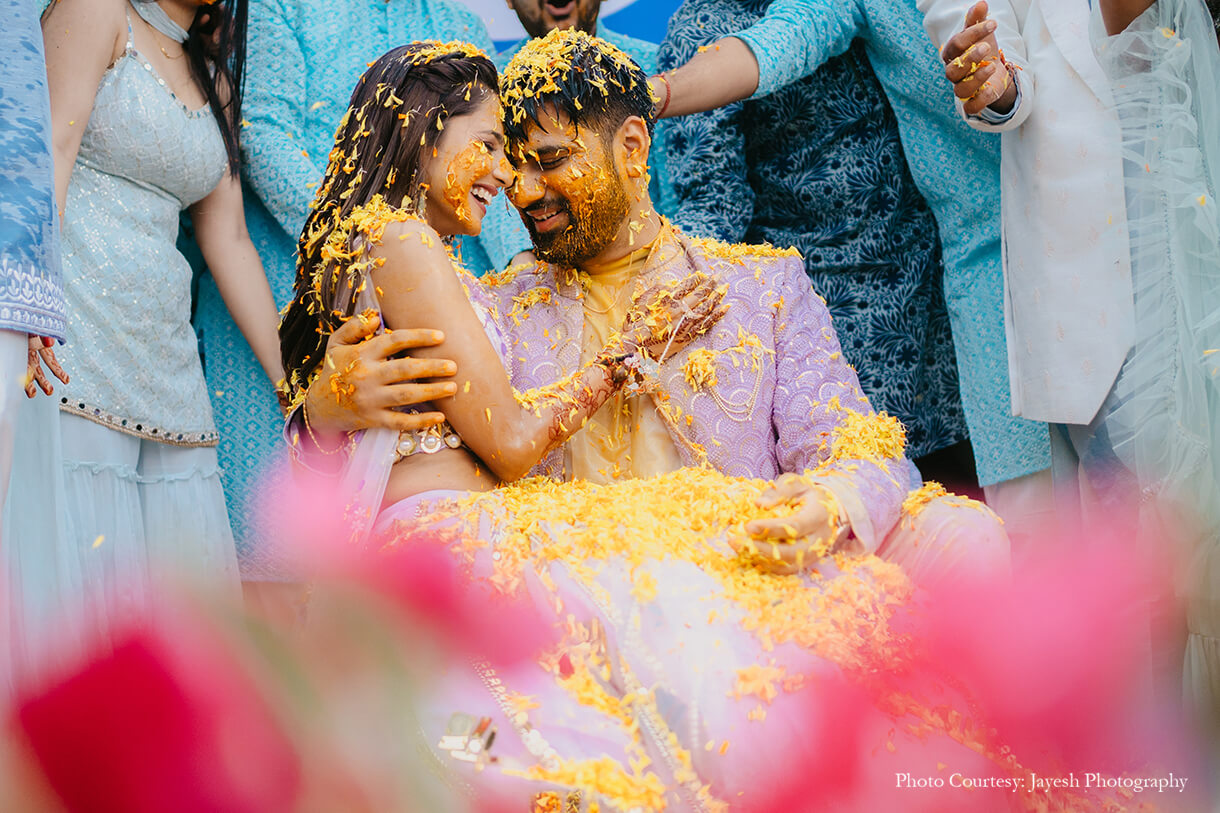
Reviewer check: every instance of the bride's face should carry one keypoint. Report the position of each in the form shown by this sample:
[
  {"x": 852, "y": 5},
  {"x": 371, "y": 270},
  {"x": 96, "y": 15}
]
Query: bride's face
[{"x": 466, "y": 169}]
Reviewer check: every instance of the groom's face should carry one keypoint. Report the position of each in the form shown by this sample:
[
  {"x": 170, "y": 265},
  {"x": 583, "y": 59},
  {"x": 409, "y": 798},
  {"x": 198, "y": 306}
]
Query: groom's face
[{"x": 569, "y": 189}]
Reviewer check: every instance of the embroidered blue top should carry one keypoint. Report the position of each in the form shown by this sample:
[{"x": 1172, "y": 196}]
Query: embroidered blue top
[
  {"x": 304, "y": 59},
  {"x": 31, "y": 287},
  {"x": 504, "y": 236},
  {"x": 958, "y": 172},
  {"x": 818, "y": 165}
]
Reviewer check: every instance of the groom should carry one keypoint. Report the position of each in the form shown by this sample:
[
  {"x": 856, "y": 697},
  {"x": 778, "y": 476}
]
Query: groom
[{"x": 765, "y": 394}]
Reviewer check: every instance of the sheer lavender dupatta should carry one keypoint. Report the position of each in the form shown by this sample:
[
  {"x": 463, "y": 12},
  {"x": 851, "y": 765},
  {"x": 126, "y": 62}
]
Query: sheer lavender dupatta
[{"x": 364, "y": 478}]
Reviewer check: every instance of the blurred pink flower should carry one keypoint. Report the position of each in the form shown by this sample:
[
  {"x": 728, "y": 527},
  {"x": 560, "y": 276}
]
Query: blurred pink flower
[
  {"x": 161, "y": 724},
  {"x": 1059, "y": 660}
]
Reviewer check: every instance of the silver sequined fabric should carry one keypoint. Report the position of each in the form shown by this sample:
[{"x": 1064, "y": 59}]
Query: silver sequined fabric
[{"x": 131, "y": 351}]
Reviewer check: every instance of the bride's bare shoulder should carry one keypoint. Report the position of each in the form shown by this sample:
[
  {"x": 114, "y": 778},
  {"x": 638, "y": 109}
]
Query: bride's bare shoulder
[{"x": 411, "y": 247}]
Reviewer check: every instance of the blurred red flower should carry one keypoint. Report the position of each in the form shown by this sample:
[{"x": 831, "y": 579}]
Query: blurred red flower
[{"x": 160, "y": 724}]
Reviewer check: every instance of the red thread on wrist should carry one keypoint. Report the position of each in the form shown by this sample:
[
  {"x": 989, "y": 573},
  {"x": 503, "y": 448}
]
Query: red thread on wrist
[{"x": 668, "y": 96}]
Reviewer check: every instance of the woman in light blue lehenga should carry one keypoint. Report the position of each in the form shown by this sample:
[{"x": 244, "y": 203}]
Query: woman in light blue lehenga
[
  {"x": 1162, "y": 418},
  {"x": 145, "y": 117}
]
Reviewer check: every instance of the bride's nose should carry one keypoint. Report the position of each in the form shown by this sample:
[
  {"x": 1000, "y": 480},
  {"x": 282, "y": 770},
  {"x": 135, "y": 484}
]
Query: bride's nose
[{"x": 503, "y": 172}]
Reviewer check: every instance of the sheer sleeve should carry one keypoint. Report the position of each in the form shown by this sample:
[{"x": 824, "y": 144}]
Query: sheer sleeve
[{"x": 1164, "y": 72}]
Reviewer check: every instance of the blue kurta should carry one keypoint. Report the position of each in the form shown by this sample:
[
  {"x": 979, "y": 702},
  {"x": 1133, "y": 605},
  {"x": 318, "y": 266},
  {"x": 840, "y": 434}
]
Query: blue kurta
[
  {"x": 818, "y": 165},
  {"x": 305, "y": 57},
  {"x": 31, "y": 292},
  {"x": 504, "y": 236},
  {"x": 958, "y": 171}
]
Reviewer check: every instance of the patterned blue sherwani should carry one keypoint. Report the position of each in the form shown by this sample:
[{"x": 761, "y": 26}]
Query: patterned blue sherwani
[
  {"x": 958, "y": 172},
  {"x": 818, "y": 165},
  {"x": 504, "y": 236},
  {"x": 304, "y": 59}
]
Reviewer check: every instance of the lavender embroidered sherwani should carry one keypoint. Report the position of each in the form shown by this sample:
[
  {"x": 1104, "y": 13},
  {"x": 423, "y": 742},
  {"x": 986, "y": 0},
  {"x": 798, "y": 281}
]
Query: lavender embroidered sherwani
[{"x": 804, "y": 388}]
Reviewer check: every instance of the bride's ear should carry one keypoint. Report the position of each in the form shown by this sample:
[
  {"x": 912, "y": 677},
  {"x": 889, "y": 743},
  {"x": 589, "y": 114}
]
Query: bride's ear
[{"x": 632, "y": 143}]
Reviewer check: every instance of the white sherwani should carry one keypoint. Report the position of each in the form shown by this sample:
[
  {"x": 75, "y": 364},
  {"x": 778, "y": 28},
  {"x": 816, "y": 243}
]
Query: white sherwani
[{"x": 1067, "y": 272}]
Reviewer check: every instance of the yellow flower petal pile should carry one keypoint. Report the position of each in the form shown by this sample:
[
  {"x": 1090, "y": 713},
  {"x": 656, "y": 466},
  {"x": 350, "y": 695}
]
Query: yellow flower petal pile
[
  {"x": 435, "y": 49},
  {"x": 626, "y": 791},
  {"x": 737, "y": 252},
  {"x": 544, "y": 62},
  {"x": 688, "y": 515},
  {"x": 700, "y": 369},
  {"x": 918, "y": 500},
  {"x": 877, "y": 437}
]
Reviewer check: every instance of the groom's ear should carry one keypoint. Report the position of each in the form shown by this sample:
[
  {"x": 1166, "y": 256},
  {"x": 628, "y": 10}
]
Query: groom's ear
[{"x": 631, "y": 145}]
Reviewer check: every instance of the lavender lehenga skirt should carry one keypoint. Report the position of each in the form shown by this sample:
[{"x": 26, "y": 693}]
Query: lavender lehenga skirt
[{"x": 662, "y": 690}]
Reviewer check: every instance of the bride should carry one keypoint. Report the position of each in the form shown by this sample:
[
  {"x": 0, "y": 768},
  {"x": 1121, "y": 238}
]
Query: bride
[{"x": 685, "y": 664}]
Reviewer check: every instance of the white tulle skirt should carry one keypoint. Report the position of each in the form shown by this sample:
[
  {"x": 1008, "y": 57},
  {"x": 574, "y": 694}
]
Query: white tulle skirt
[
  {"x": 147, "y": 515},
  {"x": 1163, "y": 417}
]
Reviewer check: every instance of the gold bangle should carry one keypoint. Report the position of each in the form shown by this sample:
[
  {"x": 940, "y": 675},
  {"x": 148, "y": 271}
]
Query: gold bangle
[{"x": 314, "y": 438}]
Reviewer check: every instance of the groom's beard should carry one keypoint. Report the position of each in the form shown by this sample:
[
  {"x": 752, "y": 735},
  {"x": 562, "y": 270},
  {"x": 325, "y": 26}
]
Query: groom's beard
[{"x": 595, "y": 213}]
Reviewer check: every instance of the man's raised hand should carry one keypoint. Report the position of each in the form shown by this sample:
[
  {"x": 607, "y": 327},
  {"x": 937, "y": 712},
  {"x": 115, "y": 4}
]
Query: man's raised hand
[
  {"x": 975, "y": 66},
  {"x": 667, "y": 316}
]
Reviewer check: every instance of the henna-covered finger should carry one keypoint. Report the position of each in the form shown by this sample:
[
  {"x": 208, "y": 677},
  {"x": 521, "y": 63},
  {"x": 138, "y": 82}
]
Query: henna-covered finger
[
  {"x": 652, "y": 293},
  {"x": 40, "y": 377},
  {"x": 696, "y": 302},
  {"x": 31, "y": 368},
  {"x": 670, "y": 295},
  {"x": 712, "y": 318},
  {"x": 687, "y": 284},
  {"x": 48, "y": 357},
  {"x": 713, "y": 293},
  {"x": 711, "y": 305}
]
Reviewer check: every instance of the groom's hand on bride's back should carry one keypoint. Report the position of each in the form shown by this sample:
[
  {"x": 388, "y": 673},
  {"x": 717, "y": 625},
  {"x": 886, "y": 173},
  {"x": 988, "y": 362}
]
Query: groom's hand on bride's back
[{"x": 361, "y": 380}]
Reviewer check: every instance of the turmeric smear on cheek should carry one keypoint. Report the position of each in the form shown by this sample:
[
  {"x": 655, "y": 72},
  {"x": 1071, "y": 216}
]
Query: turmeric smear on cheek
[{"x": 472, "y": 163}]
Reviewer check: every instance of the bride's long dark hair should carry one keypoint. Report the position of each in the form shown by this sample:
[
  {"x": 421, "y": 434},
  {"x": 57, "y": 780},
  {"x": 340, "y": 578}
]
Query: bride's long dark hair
[
  {"x": 216, "y": 49},
  {"x": 396, "y": 115}
]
